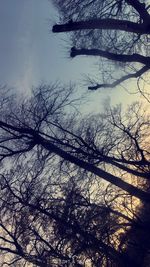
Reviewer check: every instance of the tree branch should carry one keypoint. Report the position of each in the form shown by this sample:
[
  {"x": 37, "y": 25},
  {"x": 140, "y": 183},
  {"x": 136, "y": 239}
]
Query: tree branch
[
  {"x": 105, "y": 24},
  {"x": 111, "y": 56},
  {"x": 140, "y": 8},
  {"x": 95, "y": 170},
  {"x": 122, "y": 79}
]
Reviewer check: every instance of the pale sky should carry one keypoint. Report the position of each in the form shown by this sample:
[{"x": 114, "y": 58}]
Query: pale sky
[{"x": 31, "y": 53}]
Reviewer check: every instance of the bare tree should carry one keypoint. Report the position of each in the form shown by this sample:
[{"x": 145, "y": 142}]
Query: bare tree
[
  {"x": 105, "y": 146},
  {"x": 56, "y": 210},
  {"x": 46, "y": 221},
  {"x": 115, "y": 30}
]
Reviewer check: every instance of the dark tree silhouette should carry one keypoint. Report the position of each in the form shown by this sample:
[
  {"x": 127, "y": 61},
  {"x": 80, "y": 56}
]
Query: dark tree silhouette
[
  {"x": 41, "y": 123},
  {"x": 43, "y": 224},
  {"x": 117, "y": 31},
  {"x": 56, "y": 209}
]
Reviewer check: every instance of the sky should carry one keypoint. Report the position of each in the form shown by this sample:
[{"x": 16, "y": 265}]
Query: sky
[{"x": 30, "y": 53}]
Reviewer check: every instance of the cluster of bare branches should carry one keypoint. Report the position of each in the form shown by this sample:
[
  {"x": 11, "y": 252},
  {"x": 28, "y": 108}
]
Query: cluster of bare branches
[
  {"x": 56, "y": 225},
  {"x": 56, "y": 209}
]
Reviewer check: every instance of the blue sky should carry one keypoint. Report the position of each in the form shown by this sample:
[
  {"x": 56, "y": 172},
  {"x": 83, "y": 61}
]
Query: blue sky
[{"x": 31, "y": 53}]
